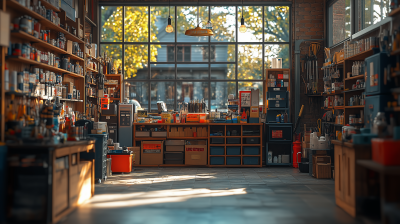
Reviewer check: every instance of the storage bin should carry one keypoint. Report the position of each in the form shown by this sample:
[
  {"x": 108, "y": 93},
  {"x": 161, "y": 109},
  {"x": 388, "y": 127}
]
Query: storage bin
[
  {"x": 121, "y": 163},
  {"x": 233, "y": 150},
  {"x": 217, "y": 140},
  {"x": 173, "y": 156},
  {"x": 142, "y": 133},
  {"x": 252, "y": 140},
  {"x": 159, "y": 134},
  {"x": 233, "y": 141},
  {"x": 253, "y": 160},
  {"x": 386, "y": 151},
  {"x": 175, "y": 142},
  {"x": 217, "y": 160},
  {"x": 233, "y": 160},
  {"x": 251, "y": 150},
  {"x": 217, "y": 150}
]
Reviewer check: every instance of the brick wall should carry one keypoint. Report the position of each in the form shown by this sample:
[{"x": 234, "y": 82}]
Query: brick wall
[{"x": 309, "y": 24}]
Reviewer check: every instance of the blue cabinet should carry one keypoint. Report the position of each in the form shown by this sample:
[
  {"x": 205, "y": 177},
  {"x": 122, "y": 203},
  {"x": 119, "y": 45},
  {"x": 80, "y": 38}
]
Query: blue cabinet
[
  {"x": 378, "y": 74},
  {"x": 99, "y": 155}
]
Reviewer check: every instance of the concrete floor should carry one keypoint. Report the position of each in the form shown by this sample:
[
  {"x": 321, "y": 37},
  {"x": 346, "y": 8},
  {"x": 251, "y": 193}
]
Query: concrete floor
[{"x": 212, "y": 196}]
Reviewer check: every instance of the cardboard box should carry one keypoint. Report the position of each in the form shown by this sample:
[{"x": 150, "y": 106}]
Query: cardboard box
[
  {"x": 68, "y": 46},
  {"x": 193, "y": 118},
  {"x": 254, "y": 112},
  {"x": 5, "y": 29},
  {"x": 174, "y": 148},
  {"x": 196, "y": 153},
  {"x": 152, "y": 152},
  {"x": 70, "y": 86},
  {"x": 136, "y": 155},
  {"x": 305, "y": 145}
]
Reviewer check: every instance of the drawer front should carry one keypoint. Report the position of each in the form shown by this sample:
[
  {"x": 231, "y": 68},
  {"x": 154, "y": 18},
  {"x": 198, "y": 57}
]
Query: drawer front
[
  {"x": 252, "y": 140},
  {"x": 233, "y": 150},
  {"x": 251, "y": 160},
  {"x": 231, "y": 160},
  {"x": 217, "y": 150},
  {"x": 233, "y": 141},
  {"x": 173, "y": 156},
  {"x": 217, "y": 140},
  {"x": 251, "y": 150},
  {"x": 217, "y": 160}
]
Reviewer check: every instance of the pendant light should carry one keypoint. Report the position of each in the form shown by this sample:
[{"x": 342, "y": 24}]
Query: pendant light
[
  {"x": 199, "y": 32},
  {"x": 169, "y": 28},
  {"x": 242, "y": 27}
]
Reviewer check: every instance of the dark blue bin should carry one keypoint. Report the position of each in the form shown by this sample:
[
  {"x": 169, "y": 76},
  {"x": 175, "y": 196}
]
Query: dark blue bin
[
  {"x": 217, "y": 160},
  {"x": 247, "y": 160},
  {"x": 233, "y": 150},
  {"x": 217, "y": 150},
  {"x": 233, "y": 160},
  {"x": 251, "y": 150}
]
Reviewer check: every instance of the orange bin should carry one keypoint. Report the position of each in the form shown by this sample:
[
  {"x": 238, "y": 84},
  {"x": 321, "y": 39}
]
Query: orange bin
[
  {"x": 386, "y": 151},
  {"x": 121, "y": 163}
]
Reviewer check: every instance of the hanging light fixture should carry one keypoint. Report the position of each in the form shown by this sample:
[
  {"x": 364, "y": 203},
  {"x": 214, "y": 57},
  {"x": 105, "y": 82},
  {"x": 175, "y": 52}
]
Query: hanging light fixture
[
  {"x": 242, "y": 27},
  {"x": 169, "y": 28},
  {"x": 199, "y": 32}
]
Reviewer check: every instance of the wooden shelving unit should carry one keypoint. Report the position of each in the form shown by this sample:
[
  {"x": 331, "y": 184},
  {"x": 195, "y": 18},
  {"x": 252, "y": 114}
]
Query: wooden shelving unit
[
  {"x": 119, "y": 86},
  {"x": 209, "y": 126}
]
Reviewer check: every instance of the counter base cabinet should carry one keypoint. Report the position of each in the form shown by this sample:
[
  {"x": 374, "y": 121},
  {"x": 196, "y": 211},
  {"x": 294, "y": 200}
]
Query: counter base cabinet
[
  {"x": 45, "y": 183},
  {"x": 350, "y": 180}
]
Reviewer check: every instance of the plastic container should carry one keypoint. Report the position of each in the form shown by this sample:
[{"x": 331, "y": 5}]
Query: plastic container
[
  {"x": 217, "y": 160},
  {"x": 247, "y": 160},
  {"x": 386, "y": 151},
  {"x": 217, "y": 150},
  {"x": 233, "y": 150},
  {"x": 121, "y": 163},
  {"x": 251, "y": 150},
  {"x": 233, "y": 160}
]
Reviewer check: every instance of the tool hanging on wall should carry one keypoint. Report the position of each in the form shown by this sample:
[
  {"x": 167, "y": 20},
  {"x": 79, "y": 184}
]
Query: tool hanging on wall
[{"x": 314, "y": 48}]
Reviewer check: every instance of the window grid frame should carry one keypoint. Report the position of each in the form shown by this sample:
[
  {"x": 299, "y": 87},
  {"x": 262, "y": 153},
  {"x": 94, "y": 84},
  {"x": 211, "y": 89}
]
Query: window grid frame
[{"x": 209, "y": 43}]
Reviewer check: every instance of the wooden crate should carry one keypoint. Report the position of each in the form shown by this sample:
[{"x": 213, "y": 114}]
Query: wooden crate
[
  {"x": 319, "y": 159},
  {"x": 323, "y": 171}
]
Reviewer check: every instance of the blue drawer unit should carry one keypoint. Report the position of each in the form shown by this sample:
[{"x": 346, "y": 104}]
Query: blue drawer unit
[
  {"x": 217, "y": 150},
  {"x": 233, "y": 150},
  {"x": 233, "y": 160},
  {"x": 232, "y": 140},
  {"x": 375, "y": 67},
  {"x": 100, "y": 155},
  {"x": 374, "y": 104},
  {"x": 247, "y": 160},
  {"x": 217, "y": 160},
  {"x": 251, "y": 150}
]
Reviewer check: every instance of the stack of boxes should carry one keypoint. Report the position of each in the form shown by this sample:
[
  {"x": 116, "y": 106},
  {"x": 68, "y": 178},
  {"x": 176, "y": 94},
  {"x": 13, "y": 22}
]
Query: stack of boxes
[{"x": 152, "y": 152}]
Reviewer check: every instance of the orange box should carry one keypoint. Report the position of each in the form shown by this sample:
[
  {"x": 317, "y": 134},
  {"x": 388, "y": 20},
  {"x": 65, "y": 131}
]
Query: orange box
[
  {"x": 121, "y": 163},
  {"x": 193, "y": 118},
  {"x": 386, "y": 151},
  {"x": 105, "y": 100},
  {"x": 105, "y": 106}
]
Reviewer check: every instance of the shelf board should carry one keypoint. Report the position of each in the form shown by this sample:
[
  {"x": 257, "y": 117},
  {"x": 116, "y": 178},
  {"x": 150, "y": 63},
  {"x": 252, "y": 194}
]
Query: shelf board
[
  {"x": 395, "y": 12},
  {"x": 92, "y": 96},
  {"x": 239, "y": 166},
  {"x": 105, "y": 84},
  {"x": 278, "y": 164},
  {"x": 37, "y": 41},
  {"x": 354, "y": 90},
  {"x": 360, "y": 56},
  {"x": 277, "y": 108},
  {"x": 49, "y": 25},
  {"x": 392, "y": 109},
  {"x": 72, "y": 100},
  {"x": 93, "y": 84},
  {"x": 92, "y": 70},
  {"x": 50, "y": 6},
  {"x": 355, "y": 77},
  {"x": 90, "y": 21},
  {"x": 112, "y": 98},
  {"x": 148, "y": 138},
  {"x": 339, "y": 92},
  {"x": 173, "y": 124},
  {"x": 377, "y": 167},
  {"x": 22, "y": 94},
  {"x": 41, "y": 65},
  {"x": 309, "y": 95},
  {"x": 251, "y": 144},
  {"x": 216, "y": 124},
  {"x": 355, "y": 107},
  {"x": 188, "y": 138}
]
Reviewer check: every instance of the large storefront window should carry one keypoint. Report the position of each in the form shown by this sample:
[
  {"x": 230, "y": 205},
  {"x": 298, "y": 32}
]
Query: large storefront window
[{"x": 174, "y": 68}]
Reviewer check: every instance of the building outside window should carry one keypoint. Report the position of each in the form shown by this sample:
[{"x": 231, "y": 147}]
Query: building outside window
[{"x": 176, "y": 68}]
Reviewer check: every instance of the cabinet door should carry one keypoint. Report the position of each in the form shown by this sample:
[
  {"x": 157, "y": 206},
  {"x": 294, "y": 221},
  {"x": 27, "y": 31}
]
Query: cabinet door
[
  {"x": 339, "y": 172},
  {"x": 349, "y": 189}
]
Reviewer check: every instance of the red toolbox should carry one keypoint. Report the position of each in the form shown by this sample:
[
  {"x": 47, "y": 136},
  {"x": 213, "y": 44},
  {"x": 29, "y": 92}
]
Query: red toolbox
[
  {"x": 121, "y": 163},
  {"x": 386, "y": 151}
]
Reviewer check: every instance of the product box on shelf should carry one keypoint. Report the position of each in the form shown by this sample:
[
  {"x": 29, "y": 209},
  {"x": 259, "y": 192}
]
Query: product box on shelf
[
  {"x": 322, "y": 161},
  {"x": 136, "y": 155},
  {"x": 386, "y": 151},
  {"x": 152, "y": 152},
  {"x": 196, "y": 152}
]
